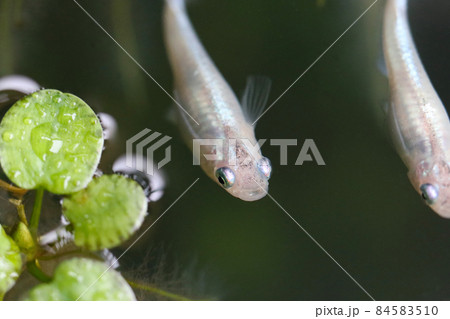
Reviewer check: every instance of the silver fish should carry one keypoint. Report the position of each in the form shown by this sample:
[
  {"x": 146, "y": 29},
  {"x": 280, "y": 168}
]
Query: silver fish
[
  {"x": 212, "y": 111},
  {"x": 418, "y": 120}
]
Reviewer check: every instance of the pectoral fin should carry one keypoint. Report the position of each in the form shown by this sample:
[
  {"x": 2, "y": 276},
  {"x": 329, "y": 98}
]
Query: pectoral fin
[{"x": 254, "y": 99}]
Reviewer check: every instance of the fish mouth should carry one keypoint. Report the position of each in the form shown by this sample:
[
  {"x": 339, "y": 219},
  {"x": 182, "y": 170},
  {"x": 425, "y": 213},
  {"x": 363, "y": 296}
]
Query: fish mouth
[
  {"x": 442, "y": 208},
  {"x": 253, "y": 195}
]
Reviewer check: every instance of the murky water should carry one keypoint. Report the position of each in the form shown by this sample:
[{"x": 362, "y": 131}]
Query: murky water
[{"x": 360, "y": 206}]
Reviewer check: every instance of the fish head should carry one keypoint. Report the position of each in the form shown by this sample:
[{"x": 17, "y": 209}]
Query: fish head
[
  {"x": 248, "y": 178},
  {"x": 432, "y": 181}
]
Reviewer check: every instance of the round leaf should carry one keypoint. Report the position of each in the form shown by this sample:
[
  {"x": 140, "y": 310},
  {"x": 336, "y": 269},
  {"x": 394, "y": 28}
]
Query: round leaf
[
  {"x": 50, "y": 140},
  {"x": 83, "y": 279},
  {"x": 10, "y": 262},
  {"x": 107, "y": 212}
]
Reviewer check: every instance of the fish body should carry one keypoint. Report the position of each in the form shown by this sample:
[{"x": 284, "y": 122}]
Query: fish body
[
  {"x": 418, "y": 119},
  {"x": 211, "y": 111}
]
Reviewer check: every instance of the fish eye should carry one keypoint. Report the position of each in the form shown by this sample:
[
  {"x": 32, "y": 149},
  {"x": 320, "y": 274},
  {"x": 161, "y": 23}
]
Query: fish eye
[
  {"x": 429, "y": 193},
  {"x": 225, "y": 176},
  {"x": 265, "y": 167}
]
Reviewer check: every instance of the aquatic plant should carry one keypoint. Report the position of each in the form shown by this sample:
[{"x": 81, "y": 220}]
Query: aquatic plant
[
  {"x": 74, "y": 278},
  {"x": 52, "y": 142},
  {"x": 10, "y": 262}
]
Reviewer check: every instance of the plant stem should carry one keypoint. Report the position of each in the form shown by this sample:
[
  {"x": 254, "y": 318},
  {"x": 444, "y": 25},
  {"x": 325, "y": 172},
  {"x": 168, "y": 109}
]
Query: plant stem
[
  {"x": 34, "y": 221},
  {"x": 34, "y": 269},
  {"x": 157, "y": 291},
  {"x": 20, "y": 209},
  {"x": 19, "y": 192}
]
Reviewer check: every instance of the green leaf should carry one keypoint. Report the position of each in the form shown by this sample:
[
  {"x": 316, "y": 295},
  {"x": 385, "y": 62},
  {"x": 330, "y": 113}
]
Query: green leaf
[
  {"x": 83, "y": 279},
  {"x": 107, "y": 212},
  {"x": 10, "y": 262},
  {"x": 50, "y": 140}
]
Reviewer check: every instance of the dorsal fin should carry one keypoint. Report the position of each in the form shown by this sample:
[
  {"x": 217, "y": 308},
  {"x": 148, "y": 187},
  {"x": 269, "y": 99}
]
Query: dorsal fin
[{"x": 255, "y": 96}]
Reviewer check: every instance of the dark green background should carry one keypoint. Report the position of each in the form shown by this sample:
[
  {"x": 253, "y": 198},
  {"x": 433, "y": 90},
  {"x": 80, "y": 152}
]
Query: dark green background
[{"x": 360, "y": 207}]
